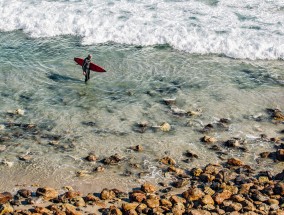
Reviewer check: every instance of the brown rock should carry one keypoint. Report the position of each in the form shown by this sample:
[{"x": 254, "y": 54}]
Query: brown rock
[
  {"x": 112, "y": 160},
  {"x": 263, "y": 179},
  {"x": 153, "y": 203},
  {"x": 91, "y": 198},
  {"x": 141, "y": 207},
  {"x": 245, "y": 188},
  {"x": 148, "y": 188},
  {"x": 207, "y": 200},
  {"x": 42, "y": 210},
  {"x": 199, "y": 212},
  {"x": 25, "y": 193},
  {"x": 167, "y": 203},
  {"x": 55, "y": 209},
  {"x": 212, "y": 169},
  {"x": 137, "y": 196},
  {"x": 235, "y": 162},
  {"x": 107, "y": 194},
  {"x": 193, "y": 194},
  {"x": 265, "y": 154},
  {"x": 6, "y": 209},
  {"x": 238, "y": 198},
  {"x": 206, "y": 177},
  {"x": 178, "y": 209},
  {"x": 129, "y": 206},
  {"x": 70, "y": 210},
  {"x": 47, "y": 193},
  {"x": 137, "y": 148},
  {"x": 181, "y": 183},
  {"x": 69, "y": 195},
  {"x": 131, "y": 212},
  {"x": 220, "y": 197},
  {"x": 208, "y": 139},
  {"x": 91, "y": 158},
  {"x": 176, "y": 199},
  {"x": 280, "y": 176},
  {"x": 178, "y": 171},
  {"x": 5, "y": 197},
  {"x": 114, "y": 211},
  {"x": 168, "y": 161},
  {"x": 78, "y": 201},
  {"x": 209, "y": 191},
  {"x": 196, "y": 172},
  {"x": 235, "y": 206}
]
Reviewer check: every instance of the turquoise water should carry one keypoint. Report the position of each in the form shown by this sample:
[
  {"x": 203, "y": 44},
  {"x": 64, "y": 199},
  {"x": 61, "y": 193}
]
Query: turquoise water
[{"x": 39, "y": 76}]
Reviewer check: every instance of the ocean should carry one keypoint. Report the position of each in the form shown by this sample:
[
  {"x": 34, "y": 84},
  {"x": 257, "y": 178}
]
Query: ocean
[{"x": 221, "y": 58}]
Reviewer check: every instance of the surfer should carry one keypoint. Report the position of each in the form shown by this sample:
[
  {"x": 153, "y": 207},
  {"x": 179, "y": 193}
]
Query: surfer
[{"x": 86, "y": 67}]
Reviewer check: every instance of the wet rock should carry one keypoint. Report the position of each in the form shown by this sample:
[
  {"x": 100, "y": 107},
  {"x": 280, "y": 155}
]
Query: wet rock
[
  {"x": 280, "y": 154},
  {"x": 107, "y": 194},
  {"x": 181, "y": 183},
  {"x": 206, "y": 177},
  {"x": 165, "y": 127},
  {"x": 170, "y": 102},
  {"x": 137, "y": 148},
  {"x": 91, "y": 198},
  {"x": 208, "y": 128},
  {"x": 176, "y": 170},
  {"x": 25, "y": 157},
  {"x": 47, "y": 193},
  {"x": 142, "y": 126},
  {"x": 25, "y": 193},
  {"x": 197, "y": 112},
  {"x": 235, "y": 162},
  {"x": 208, "y": 139},
  {"x": 190, "y": 154},
  {"x": 193, "y": 194},
  {"x": 265, "y": 154},
  {"x": 212, "y": 169},
  {"x": 277, "y": 115},
  {"x": 6, "y": 209},
  {"x": 168, "y": 161},
  {"x": 19, "y": 112},
  {"x": 245, "y": 188},
  {"x": 166, "y": 203},
  {"x": 220, "y": 197},
  {"x": 91, "y": 157},
  {"x": 99, "y": 169},
  {"x": 235, "y": 142},
  {"x": 5, "y": 197},
  {"x": 42, "y": 210},
  {"x": 112, "y": 160},
  {"x": 137, "y": 196},
  {"x": 148, "y": 188}
]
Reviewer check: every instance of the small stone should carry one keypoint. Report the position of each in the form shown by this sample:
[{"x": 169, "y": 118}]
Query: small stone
[
  {"x": 181, "y": 183},
  {"x": 112, "y": 160},
  {"x": 207, "y": 200},
  {"x": 129, "y": 206},
  {"x": 137, "y": 196},
  {"x": 137, "y": 148},
  {"x": 220, "y": 197},
  {"x": 25, "y": 158},
  {"x": 190, "y": 154},
  {"x": 20, "y": 112},
  {"x": 107, "y": 194},
  {"x": 115, "y": 211},
  {"x": 245, "y": 188},
  {"x": 170, "y": 101},
  {"x": 24, "y": 193},
  {"x": 153, "y": 203},
  {"x": 141, "y": 207},
  {"x": 70, "y": 209},
  {"x": 91, "y": 158},
  {"x": 206, "y": 177},
  {"x": 176, "y": 199},
  {"x": 178, "y": 171},
  {"x": 263, "y": 179},
  {"x": 148, "y": 188},
  {"x": 235, "y": 206},
  {"x": 196, "y": 172},
  {"x": 165, "y": 127},
  {"x": 6, "y": 209},
  {"x": 209, "y": 191},
  {"x": 5, "y": 197},
  {"x": 168, "y": 161},
  {"x": 199, "y": 212},
  {"x": 54, "y": 142},
  {"x": 208, "y": 139},
  {"x": 235, "y": 162},
  {"x": 47, "y": 193},
  {"x": 193, "y": 194},
  {"x": 265, "y": 154},
  {"x": 178, "y": 209},
  {"x": 99, "y": 169}
]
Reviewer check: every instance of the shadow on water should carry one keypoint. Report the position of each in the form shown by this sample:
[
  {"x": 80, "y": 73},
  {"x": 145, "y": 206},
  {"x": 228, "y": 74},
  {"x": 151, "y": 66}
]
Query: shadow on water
[{"x": 62, "y": 78}]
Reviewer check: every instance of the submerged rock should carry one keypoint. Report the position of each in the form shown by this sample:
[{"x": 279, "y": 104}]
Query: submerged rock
[
  {"x": 113, "y": 160},
  {"x": 168, "y": 161}
]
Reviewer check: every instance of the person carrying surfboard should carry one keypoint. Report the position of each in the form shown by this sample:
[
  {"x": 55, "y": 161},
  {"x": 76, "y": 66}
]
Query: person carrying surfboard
[{"x": 86, "y": 67}]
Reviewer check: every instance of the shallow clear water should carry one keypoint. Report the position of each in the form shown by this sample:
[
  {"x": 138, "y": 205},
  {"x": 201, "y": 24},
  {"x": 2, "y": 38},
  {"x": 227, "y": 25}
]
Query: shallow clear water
[{"x": 39, "y": 76}]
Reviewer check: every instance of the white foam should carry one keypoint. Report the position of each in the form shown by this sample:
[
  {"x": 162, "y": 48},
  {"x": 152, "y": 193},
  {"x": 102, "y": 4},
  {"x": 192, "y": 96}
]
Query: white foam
[{"x": 240, "y": 28}]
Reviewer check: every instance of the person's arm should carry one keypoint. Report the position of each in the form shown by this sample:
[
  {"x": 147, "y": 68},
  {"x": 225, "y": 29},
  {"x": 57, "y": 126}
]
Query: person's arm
[{"x": 83, "y": 67}]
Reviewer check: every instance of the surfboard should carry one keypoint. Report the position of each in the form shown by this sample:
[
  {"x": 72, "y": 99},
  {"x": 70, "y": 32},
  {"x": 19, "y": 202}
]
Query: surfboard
[{"x": 93, "y": 66}]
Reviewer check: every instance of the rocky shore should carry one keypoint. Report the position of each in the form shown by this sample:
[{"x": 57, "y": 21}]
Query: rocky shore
[{"x": 231, "y": 188}]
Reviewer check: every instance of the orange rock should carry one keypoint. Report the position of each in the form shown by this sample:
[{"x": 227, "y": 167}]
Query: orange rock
[
  {"x": 107, "y": 194},
  {"x": 220, "y": 197},
  {"x": 193, "y": 194},
  {"x": 235, "y": 162},
  {"x": 148, "y": 188},
  {"x": 47, "y": 193},
  {"x": 5, "y": 197}
]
